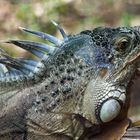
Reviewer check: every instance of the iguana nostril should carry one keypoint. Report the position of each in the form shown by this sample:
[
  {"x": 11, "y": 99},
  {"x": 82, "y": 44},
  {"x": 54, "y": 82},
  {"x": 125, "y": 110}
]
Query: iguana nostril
[{"x": 109, "y": 110}]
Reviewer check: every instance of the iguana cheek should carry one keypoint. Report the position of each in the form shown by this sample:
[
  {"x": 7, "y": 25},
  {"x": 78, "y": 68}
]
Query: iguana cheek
[{"x": 109, "y": 110}]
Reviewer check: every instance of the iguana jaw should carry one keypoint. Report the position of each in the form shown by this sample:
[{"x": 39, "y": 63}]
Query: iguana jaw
[
  {"x": 102, "y": 101},
  {"x": 131, "y": 59},
  {"x": 128, "y": 65},
  {"x": 110, "y": 107}
]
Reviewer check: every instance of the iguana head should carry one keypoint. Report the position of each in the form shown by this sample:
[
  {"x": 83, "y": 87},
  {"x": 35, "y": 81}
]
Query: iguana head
[
  {"x": 115, "y": 49},
  {"x": 116, "y": 54}
]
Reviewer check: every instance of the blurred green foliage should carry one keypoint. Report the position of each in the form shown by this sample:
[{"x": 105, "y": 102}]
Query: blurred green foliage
[{"x": 127, "y": 18}]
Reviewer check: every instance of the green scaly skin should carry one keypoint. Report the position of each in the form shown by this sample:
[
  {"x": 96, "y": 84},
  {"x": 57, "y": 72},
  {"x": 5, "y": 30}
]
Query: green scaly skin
[{"x": 91, "y": 69}]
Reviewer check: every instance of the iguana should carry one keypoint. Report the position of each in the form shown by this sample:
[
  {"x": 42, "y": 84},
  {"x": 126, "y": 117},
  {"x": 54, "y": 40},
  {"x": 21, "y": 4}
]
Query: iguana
[{"x": 79, "y": 82}]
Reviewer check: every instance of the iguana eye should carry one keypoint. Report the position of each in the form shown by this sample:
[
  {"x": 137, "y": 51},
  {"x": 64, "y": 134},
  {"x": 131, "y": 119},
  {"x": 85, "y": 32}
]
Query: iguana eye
[{"x": 122, "y": 44}]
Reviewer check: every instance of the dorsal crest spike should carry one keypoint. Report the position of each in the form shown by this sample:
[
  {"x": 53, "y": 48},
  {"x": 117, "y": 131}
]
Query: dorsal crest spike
[
  {"x": 36, "y": 45},
  {"x": 19, "y": 71},
  {"x": 60, "y": 29},
  {"x": 42, "y": 35},
  {"x": 32, "y": 47}
]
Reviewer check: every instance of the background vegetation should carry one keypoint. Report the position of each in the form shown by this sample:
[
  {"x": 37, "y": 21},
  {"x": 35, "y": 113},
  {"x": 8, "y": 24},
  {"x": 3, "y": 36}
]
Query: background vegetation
[{"x": 74, "y": 16}]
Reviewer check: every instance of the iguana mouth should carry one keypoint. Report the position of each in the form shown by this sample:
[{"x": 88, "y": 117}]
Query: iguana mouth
[
  {"x": 129, "y": 61},
  {"x": 134, "y": 58}
]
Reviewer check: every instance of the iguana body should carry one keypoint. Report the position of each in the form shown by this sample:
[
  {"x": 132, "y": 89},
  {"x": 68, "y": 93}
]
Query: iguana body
[{"x": 80, "y": 83}]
